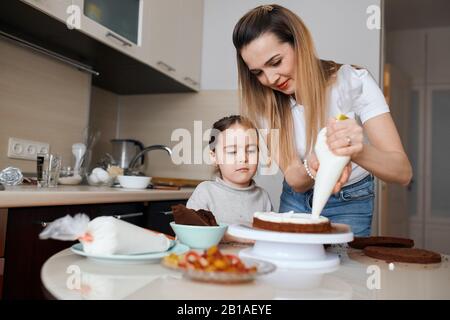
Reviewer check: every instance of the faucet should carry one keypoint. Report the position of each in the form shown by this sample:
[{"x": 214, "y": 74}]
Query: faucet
[{"x": 143, "y": 151}]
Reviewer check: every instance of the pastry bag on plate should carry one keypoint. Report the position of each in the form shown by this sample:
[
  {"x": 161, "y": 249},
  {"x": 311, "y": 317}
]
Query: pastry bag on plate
[{"x": 106, "y": 235}]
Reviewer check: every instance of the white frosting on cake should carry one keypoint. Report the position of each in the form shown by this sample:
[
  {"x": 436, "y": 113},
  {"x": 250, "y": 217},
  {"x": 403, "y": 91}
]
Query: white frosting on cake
[{"x": 289, "y": 217}]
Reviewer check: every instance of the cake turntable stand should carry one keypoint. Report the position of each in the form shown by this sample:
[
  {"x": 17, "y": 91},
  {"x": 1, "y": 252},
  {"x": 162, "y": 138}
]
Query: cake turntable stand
[{"x": 293, "y": 250}]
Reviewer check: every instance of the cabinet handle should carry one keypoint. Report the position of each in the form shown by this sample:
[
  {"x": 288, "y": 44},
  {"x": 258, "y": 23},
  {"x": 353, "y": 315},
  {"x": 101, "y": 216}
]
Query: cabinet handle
[
  {"x": 128, "y": 215},
  {"x": 166, "y": 66},
  {"x": 167, "y": 213},
  {"x": 192, "y": 81},
  {"x": 43, "y": 224},
  {"x": 124, "y": 43}
]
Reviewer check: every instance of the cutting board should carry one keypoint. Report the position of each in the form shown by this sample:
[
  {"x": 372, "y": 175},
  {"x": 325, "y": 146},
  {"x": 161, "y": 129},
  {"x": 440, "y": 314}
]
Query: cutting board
[{"x": 161, "y": 181}]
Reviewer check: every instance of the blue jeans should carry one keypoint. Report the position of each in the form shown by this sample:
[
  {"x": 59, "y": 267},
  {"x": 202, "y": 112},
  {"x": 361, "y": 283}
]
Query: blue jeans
[{"x": 353, "y": 205}]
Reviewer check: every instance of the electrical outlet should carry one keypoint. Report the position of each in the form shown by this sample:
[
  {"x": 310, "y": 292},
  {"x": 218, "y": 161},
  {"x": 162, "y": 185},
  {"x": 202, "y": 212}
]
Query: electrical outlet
[{"x": 26, "y": 149}]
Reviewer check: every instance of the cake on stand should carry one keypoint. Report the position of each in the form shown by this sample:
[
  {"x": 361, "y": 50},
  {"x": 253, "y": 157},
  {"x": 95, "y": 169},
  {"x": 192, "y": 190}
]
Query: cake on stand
[{"x": 293, "y": 250}]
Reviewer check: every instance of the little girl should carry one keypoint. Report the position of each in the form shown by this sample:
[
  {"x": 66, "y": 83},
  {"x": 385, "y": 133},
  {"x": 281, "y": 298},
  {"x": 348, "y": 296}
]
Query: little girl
[{"x": 233, "y": 197}]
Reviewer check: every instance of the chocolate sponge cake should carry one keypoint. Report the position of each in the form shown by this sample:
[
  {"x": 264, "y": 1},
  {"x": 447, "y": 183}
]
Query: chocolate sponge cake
[
  {"x": 290, "y": 222},
  {"x": 408, "y": 255},
  {"x": 391, "y": 242},
  {"x": 183, "y": 215}
]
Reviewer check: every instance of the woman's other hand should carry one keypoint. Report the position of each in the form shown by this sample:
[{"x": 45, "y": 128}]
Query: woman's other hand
[
  {"x": 344, "y": 178},
  {"x": 313, "y": 164},
  {"x": 345, "y": 137}
]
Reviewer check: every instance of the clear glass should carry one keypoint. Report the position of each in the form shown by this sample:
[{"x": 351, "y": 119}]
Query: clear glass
[
  {"x": 54, "y": 167},
  {"x": 67, "y": 176},
  {"x": 41, "y": 169},
  {"x": 48, "y": 168},
  {"x": 119, "y": 16}
]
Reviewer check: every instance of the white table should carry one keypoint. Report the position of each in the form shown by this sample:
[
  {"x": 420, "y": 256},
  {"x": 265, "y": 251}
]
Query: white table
[{"x": 69, "y": 276}]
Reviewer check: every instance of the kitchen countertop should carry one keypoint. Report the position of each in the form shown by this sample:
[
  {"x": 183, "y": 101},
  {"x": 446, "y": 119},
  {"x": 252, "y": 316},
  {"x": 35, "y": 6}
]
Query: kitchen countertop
[
  {"x": 31, "y": 196},
  {"x": 355, "y": 278}
]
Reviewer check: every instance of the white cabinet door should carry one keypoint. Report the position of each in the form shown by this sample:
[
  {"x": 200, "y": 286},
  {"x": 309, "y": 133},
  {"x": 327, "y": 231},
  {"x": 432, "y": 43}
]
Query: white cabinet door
[
  {"x": 174, "y": 38},
  {"x": 55, "y": 8},
  {"x": 162, "y": 22},
  {"x": 190, "y": 38},
  {"x": 92, "y": 14}
]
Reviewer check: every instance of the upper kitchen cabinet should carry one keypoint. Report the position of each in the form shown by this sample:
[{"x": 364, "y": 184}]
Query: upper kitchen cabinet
[
  {"x": 175, "y": 36},
  {"x": 116, "y": 23},
  {"x": 131, "y": 47},
  {"x": 190, "y": 38}
]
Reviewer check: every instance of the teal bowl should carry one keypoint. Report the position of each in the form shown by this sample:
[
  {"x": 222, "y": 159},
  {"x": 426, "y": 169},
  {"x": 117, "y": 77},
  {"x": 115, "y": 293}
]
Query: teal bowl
[{"x": 199, "y": 237}]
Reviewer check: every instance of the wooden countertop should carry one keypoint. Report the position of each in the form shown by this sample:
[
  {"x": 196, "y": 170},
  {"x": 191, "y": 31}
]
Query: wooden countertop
[{"x": 31, "y": 196}]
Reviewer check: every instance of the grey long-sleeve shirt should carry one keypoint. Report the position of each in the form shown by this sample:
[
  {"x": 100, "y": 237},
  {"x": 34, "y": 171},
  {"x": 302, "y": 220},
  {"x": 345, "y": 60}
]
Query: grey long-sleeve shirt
[{"x": 229, "y": 204}]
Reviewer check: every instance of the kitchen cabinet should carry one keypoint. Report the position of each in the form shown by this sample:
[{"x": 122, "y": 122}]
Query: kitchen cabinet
[
  {"x": 54, "y": 8},
  {"x": 25, "y": 253},
  {"x": 190, "y": 38},
  {"x": 169, "y": 34},
  {"x": 160, "y": 215},
  {"x": 162, "y": 34},
  {"x": 3, "y": 222},
  {"x": 119, "y": 65},
  {"x": 174, "y": 38},
  {"x": 118, "y": 24}
]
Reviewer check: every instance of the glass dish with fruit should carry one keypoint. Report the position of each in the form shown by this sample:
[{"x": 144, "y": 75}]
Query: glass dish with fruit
[{"x": 214, "y": 266}]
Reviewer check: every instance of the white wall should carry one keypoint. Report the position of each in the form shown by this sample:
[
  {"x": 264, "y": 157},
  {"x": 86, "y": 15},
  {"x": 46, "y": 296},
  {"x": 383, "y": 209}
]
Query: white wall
[{"x": 338, "y": 27}]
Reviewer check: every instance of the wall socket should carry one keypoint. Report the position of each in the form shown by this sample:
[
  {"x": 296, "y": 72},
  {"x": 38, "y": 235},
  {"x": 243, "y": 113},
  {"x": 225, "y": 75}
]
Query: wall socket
[{"x": 26, "y": 149}]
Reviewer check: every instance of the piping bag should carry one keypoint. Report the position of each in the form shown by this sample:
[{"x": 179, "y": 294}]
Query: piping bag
[
  {"x": 106, "y": 235},
  {"x": 330, "y": 170}
]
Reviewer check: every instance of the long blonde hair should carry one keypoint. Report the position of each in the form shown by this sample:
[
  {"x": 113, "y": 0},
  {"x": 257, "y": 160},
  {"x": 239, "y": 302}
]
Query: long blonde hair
[{"x": 262, "y": 104}]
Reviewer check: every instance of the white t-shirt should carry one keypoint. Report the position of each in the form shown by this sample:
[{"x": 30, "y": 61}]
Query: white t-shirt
[{"x": 355, "y": 94}]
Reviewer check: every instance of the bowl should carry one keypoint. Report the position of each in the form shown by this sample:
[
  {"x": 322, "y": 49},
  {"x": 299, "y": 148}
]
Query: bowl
[
  {"x": 133, "y": 182},
  {"x": 199, "y": 237},
  {"x": 67, "y": 176},
  {"x": 99, "y": 178}
]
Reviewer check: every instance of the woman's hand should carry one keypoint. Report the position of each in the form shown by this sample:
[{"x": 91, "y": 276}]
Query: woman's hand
[
  {"x": 313, "y": 164},
  {"x": 345, "y": 137}
]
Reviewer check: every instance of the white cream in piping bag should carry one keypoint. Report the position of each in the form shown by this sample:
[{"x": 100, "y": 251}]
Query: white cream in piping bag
[
  {"x": 330, "y": 170},
  {"x": 106, "y": 235}
]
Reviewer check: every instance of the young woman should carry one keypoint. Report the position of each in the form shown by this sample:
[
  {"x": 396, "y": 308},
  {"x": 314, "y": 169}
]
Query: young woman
[{"x": 285, "y": 86}]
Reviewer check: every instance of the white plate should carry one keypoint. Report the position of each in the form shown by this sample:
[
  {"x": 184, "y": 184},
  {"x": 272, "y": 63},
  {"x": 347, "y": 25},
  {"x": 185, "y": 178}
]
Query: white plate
[{"x": 155, "y": 257}]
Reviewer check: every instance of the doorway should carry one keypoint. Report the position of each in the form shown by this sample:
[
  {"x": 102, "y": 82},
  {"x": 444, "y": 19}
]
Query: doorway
[{"x": 417, "y": 87}]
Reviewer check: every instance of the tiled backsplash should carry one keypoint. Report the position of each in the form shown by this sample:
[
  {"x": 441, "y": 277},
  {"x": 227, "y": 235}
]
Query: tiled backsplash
[
  {"x": 41, "y": 100},
  {"x": 153, "y": 118}
]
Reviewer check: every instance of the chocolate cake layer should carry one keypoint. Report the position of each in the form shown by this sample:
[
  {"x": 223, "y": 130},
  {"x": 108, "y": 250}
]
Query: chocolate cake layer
[
  {"x": 408, "y": 255},
  {"x": 183, "y": 215},
  {"x": 321, "y": 227},
  {"x": 391, "y": 242}
]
